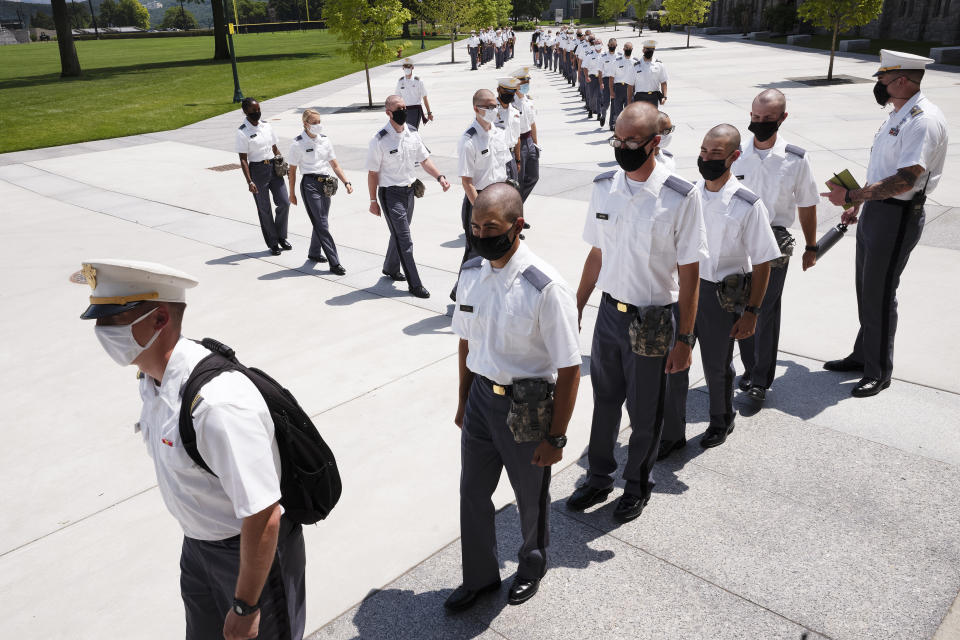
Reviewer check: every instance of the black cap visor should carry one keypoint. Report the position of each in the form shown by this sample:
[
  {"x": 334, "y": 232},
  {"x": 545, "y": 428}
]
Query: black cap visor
[{"x": 95, "y": 311}]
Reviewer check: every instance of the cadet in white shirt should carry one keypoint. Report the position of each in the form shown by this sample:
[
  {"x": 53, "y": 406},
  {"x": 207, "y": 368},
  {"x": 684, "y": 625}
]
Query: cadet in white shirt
[
  {"x": 780, "y": 173},
  {"x": 519, "y": 364},
  {"x": 608, "y": 69},
  {"x": 529, "y": 167},
  {"x": 594, "y": 78},
  {"x": 499, "y": 44},
  {"x": 392, "y": 155},
  {"x": 256, "y": 143},
  {"x": 313, "y": 154},
  {"x": 623, "y": 79},
  {"x": 666, "y": 128},
  {"x": 741, "y": 245},
  {"x": 906, "y": 163},
  {"x": 473, "y": 44},
  {"x": 509, "y": 119},
  {"x": 584, "y": 47},
  {"x": 413, "y": 92},
  {"x": 647, "y": 237},
  {"x": 650, "y": 78},
  {"x": 234, "y": 534}
]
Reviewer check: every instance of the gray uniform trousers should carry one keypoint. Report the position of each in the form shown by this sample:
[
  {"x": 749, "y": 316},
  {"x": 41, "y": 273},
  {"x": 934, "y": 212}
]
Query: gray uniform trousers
[
  {"x": 619, "y": 101},
  {"x": 318, "y": 206},
  {"x": 414, "y": 116},
  {"x": 618, "y": 375},
  {"x": 396, "y": 204},
  {"x": 473, "y": 58},
  {"x": 604, "y": 95},
  {"x": 208, "y": 578},
  {"x": 582, "y": 83},
  {"x": 486, "y": 448},
  {"x": 529, "y": 167},
  {"x": 886, "y": 234},
  {"x": 274, "y": 230},
  {"x": 593, "y": 95},
  {"x": 556, "y": 58},
  {"x": 759, "y": 352},
  {"x": 498, "y": 55},
  {"x": 513, "y": 171}
]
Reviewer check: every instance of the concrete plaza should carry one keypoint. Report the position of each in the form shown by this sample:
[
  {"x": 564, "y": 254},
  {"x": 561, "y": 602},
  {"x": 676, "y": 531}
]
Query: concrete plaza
[{"x": 822, "y": 514}]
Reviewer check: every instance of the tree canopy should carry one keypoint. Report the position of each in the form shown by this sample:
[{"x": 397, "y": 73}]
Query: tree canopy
[
  {"x": 838, "y": 16},
  {"x": 686, "y": 12},
  {"x": 176, "y": 17}
]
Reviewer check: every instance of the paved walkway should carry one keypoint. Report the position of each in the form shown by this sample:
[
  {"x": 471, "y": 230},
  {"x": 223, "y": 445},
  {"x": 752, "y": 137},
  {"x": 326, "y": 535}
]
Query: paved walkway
[{"x": 821, "y": 513}]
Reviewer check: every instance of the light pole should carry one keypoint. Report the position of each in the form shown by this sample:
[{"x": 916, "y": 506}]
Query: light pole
[{"x": 237, "y": 94}]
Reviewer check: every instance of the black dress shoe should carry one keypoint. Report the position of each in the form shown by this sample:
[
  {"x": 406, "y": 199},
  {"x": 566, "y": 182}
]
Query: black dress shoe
[
  {"x": 286, "y": 246},
  {"x": 629, "y": 507},
  {"x": 869, "y": 387},
  {"x": 463, "y": 598},
  {"x": 716, "y": 435},
  {"x": 522, "y": 590},
  {"x": 338, "y": 270},
  {"x": 275, "y": 251},
  {"x": 666, "y": 448},
  {"x": 757, "y": 394},
  {"x": 317, "y": 258},
  {"x": 845, "y": 364},
  {"x": 745, "y": 382},
  {"x": 603, "y": 120},
  {"x": 419, "y": 292},
  {"x": 526, "y": 225},
  {"x": 396, "y": 277},
  {"x": 587, "y": 496}
]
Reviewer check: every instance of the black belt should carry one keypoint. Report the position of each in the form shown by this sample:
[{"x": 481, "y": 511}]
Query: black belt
[
  {"x": 315, "y": 175},
  {"x": 647, "y": 93},
  {"x": 524, "y": 136},
  {"x": 498, "y": 389},
  {"x": 625, "y": 84},
  {"x": 623, "y": 307}
]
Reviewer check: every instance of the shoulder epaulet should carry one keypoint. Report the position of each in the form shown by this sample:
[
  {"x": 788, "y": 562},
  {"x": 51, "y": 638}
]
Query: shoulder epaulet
[
  {"x": 243, "y": 126},
  {"x": 140, "y": 375},
  {"x": 382, "y": 132},
  {"x": 608, "y": 175},
  {"x": 795, "y": 150},
  {"x": 299, "y": 138},
  {"x": 472, "y": 263},
  {"x": 416, "y": 77},
  {"x": 666, "y": 153},
  {"x": 678, "y": 184},
  {"x": 747, "y": 196},
  {"x": 536, "y": 277},
  {"x": 472, "y": 131},
  {"x": 915, "y": 111}
]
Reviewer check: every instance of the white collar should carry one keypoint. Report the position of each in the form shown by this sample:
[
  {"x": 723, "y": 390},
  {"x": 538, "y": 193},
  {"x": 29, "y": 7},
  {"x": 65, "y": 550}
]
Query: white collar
[{"x": 510, "y": 271}]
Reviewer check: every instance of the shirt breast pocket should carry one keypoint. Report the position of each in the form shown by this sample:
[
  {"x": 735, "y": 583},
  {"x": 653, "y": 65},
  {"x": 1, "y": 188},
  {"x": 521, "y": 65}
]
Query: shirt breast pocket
[
  {"x": 655, "y": 235},
  {"x": 519, "y": 326}
]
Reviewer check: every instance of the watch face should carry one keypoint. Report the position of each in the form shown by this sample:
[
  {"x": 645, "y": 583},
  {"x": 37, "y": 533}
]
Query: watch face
[{"x": 237, "y": 609}]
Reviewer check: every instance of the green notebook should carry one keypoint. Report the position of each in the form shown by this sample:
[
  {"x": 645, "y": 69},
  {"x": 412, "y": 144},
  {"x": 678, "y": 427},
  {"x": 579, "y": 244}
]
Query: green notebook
[{"x": 845, "y": 179}]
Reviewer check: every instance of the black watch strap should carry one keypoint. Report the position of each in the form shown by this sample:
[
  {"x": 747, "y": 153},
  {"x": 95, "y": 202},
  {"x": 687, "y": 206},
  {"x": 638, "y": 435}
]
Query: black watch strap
[
  {"x": 241, "y": 608},
  {"x": 752, "y": 309},
  {"x": 812, "y": 247},
  {"x": 688, "y": 339},
  {"x": 556, "y": 441}
]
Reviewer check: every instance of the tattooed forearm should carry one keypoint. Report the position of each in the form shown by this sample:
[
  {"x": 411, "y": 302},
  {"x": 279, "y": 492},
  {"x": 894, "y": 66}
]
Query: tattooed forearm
[{"x": 903, "y": 180}]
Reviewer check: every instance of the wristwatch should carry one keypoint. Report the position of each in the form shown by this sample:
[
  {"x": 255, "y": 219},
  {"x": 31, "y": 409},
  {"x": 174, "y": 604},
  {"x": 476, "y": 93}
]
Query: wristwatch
[
  {"x": 752, "y": 309},
  {"x": 811, "y": 247},
  {"x": 241, "y": 608},
  {"x": 687, "y": 339},
  {"x": 556, "y": 441}
]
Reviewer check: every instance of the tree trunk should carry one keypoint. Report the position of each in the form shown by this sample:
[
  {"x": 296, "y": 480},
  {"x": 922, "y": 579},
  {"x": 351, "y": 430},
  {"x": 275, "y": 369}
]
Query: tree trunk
[
  {"x": 452, "y": 41},
  {"x": 366, "y": 70},
  {"x": 220, "y": 49},
  {"x": 69, "y": 62},
  {"x": 833, "y": 48},
  {"x": 688, "y": 36}
]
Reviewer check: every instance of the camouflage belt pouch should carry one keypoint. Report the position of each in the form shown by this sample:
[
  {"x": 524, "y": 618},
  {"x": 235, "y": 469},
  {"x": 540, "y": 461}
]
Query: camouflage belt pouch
[
  {"x": 733, "y": 292},
  {"x": 531, "y": 409},
  {"x": 418, "y": 188},
  {"x": 280, "y": 166},
  {"x": 328, "y": 185},
  {"x": 786, "y": 243},
  {"x": 652, "y": 331}
]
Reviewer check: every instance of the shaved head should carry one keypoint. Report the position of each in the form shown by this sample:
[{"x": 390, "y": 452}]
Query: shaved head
[
  {"x": 769, "y": 105},
  {"x": 663, "y": 121},
  {"x": 638, "y": 121},
  {"x": 499, "y": 201},
  {"x": 392, "y": 102},
  {"x": 483, "y": 96},
  {"x": 725, "y": 136}
]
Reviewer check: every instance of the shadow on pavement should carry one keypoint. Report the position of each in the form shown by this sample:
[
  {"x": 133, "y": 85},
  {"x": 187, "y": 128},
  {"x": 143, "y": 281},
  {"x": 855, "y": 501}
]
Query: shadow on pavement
[
  {"x": 237, "y": 257},
  {"x": 433, "y": 325},
  {"x": 801, "y": 393}
]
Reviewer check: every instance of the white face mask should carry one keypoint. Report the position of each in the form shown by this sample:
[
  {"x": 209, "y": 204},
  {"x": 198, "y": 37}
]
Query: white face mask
[
  {"x": 408, "y": 72},
  {"x": 487, "y": 115},
  {"x": 665, "y": 140},
  {"x": 119, "y": 343},
  {"x": 315, "y": 129},
  {"x": 524, "y": 89}
]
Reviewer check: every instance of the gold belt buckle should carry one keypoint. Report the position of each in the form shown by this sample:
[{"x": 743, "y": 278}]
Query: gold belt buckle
[
  {"x": 621, "y": 307},
  {"x": 500, "y": 391}
]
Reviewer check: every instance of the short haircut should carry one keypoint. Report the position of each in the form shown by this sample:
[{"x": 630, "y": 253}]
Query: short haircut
[
  {"x": 482, "y": 94},
  {"x": 392, "y": 101},
  {"x": 913, "y": 75},
  {"x": 640, "y": 120},
  {"x": 501, "y": 199},
  {"x": 309, "y": 113},
  {"x": 662, "y": 119},
  {"x": 728, "y": 133},
  {"x": 772, "y": 97},
  {"x": 612, "y": 41},
  {"x": 245, "y": 104}
]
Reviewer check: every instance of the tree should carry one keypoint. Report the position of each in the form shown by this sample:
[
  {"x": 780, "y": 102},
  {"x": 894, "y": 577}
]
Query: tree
[
  {"x": 686, "y": 12},
  {"x": 839, "y": 16},
  {"x": 780, "y": 18},
  {"x": 529, "y": 9},
  {"x": 252, "y": 11},
  {"x": 450, "y": 15},
  {"x": 41, "y": 20},
  {"x": 220, "y": 49},
  {"x": 108, "y": 13},
  {"x": 69, "y": 62},
  {"x": 131, "y": 13},
  {"x": 295, "y": 10},
  {"x": 174, "y": 19},
  {"x": 640, "y": 8},
  {"x": 611, "y": 9},
  {"x": 491, "y": 12},
  {"x": 79, "y": 15},
  {"x": 365, "y": 26}
]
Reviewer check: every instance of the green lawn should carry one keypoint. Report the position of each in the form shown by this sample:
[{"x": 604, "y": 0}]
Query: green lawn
[
  {"x": 139, "y": 86},
  {"x": 823, "y": 42}
]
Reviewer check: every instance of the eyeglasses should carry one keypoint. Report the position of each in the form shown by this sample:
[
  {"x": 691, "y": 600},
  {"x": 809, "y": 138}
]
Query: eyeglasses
[
  {"x": 632, "y": 145},
  {"x": 668, "y": 131}
]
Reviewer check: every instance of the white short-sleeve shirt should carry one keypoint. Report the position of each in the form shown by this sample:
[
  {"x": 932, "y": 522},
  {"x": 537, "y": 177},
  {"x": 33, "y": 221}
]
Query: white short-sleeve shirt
[
  {"x": 624, "y": 71},
  {"x": 255, "y": 140},
  {"x": 481, "y": 155},
  {"x": 509, "y": 120},
  {"x": 781, "y": 176},
  {"x": 610, "y": 63},
  {"x": 514, "y": 329},
  {"x": 234, "y": 437},
  {"x": 528, "y": 114},
  {"x": 649, "y": 74},
  {"x": 311, "y": 155},
  {"x": 738, "y": 231},
  {"x": 666, "y": 158},
  {"x": 395, "y": 155},
  {"x": 411, "y": 89},
  {"x": 644, "y": 230},
  {"x": 914, "y": 135}
]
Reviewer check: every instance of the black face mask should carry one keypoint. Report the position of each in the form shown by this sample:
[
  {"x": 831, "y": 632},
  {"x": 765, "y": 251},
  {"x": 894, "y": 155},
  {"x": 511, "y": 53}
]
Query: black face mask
[
  {"x": 506, "y": 98},
  {"x": 254, "y": 116},
  {"x": 399, "y": 116},
  {"x": 712, "y": 169},
  {"x": 492, "y": 247},
  {"x": 612, "y": 49},
  {"x": 648, "y": 54},
  {"x": 881, "y": 93},
  {"x": 763, "y": 131},
  {"x": 631, "y": 159},
  {"x": 627, "y": 52}
]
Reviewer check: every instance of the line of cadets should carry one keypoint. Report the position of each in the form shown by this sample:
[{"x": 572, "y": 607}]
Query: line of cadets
[{"x": 491, "y": 44}]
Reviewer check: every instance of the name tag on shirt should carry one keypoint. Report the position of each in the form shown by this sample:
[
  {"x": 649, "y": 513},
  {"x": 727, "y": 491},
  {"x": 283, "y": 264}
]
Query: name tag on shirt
[
  {"x": 309, "y": 150},
  {"x": 740, "y": 177},
  {"x": 253, "y": 136},
  {"x": 603, "y": 216},
  {"x": 484, "y": 151},
  {"x": 394, "y": 151},
  {"x": 466, "y": 308}
]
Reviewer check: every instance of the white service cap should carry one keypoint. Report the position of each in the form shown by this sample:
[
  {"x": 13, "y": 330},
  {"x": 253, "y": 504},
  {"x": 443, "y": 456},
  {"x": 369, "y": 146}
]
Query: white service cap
[
  {"x": 900, "y": 61},
  {"x": 120, "y": 285}
]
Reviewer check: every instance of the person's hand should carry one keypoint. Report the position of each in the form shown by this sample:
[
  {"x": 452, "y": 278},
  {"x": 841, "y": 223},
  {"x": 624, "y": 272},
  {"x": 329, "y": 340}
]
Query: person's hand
[
  {"x": 837, "y": 194},
  {"x": 809, "y": 259},
  {"x": 375, "y": 209},
  {"x": 444, "y": 183},
  {"x": 745, "y": 325},
  {"x": 546, "y": 455},
  {"x": 253, "y": 188},
  {"x": 349, "y": 188},
  {"x": 680, "y": 358},
  {"x": 458, "y": 419},
  {"x": 241, "y": 627},
  {"x": 663, "y": 100},
  {"x": 849, "y": 216},
  {"x": 579, "y": 319},
  {"x": 430, "y": 117},
  {"x": 293, "y": 198}
]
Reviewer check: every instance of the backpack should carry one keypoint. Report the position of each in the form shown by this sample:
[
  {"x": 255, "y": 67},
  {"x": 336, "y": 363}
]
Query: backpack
[{"x": 309, "y": 480}]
